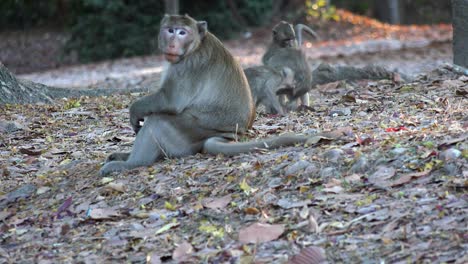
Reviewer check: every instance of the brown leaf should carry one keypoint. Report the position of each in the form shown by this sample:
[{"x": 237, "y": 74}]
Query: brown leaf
[
  {"x": 381, "y": 176},
  {"x": 153, "y": 258},
  {"x": 103, "y": 213},
  {"x": 182, "y": 252},
  {"x": 408, "y": 177},
  {"x": 258, "y": 232},
  {"x": 251, "y": 210},
  {"x": 310, "y": 255},
  {"x": 217, "y": 203},
  {"x": 30, "y": 151}
]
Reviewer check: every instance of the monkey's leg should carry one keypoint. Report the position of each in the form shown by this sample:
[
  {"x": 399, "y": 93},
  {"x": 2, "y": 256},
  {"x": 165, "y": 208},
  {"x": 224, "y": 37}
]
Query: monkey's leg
[
  {"x": 272, "y": 102},
  {"x": 160, "y": 136},
  {"x": 305, "y": 99}
]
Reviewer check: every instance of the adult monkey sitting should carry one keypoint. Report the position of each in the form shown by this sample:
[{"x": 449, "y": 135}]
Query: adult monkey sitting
[{"x": 204, "y": 100}]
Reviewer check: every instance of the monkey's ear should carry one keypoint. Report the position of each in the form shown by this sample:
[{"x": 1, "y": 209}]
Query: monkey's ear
[{"x": 202, "y": 28}]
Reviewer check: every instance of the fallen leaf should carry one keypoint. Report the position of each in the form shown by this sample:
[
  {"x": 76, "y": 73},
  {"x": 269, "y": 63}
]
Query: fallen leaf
[
  {"x": 166, "y": 227},
  {"x": 217, "y": 203},
  {"x": 182, "y": 252},
  {"x": 258, "y": 232},
  {"x": 310, "y": 255},
  {"x": 103, "y": 213},
  {"x": 381, "y": 176},
  {"x": 408, "y": 177},
  {"x": 153, "y": 258},
  {"x": 119, "y": 187},
  {"x": 30, "y": 151},
  {"x": 334, "y": 189},
  {"x": 251, "y": 210}
]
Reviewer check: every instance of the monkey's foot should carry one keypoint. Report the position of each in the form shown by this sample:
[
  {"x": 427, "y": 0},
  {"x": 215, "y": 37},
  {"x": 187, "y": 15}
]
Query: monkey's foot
[
  {"x": 118, "y": 156},
  {"x": 113, "y": 166}
]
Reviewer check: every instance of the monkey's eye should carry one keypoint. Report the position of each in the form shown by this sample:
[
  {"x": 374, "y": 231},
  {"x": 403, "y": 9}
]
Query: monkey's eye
[
  {"x": 182, "y": 32},
  {"x": 170, "y": 30}
]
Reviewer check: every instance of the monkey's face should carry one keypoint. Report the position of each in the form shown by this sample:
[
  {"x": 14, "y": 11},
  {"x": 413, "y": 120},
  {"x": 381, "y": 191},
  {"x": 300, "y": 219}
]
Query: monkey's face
[
  {"x": 179, "y": 36},
  {"x": 177, "y": 41},
  {"x": 284, "y": 35}
]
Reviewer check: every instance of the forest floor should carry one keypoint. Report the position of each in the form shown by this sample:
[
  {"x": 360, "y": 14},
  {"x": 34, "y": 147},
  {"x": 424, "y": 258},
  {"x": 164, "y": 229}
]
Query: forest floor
[{"x": 384, "y": 178}]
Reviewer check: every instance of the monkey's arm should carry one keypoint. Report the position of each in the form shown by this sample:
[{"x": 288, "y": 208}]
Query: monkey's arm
[{"x": 158, "y": 102}]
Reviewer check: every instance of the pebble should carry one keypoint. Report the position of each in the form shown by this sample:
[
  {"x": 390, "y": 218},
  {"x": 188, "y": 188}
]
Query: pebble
[
  {"x": 333, "y": 155},
  {"x": 450, "y": 154},
  {"x": 296, "y": 167},
  {"x": 329, "y": 172},
  {"x": 398, "y": 151},
  {"x": 340, "y": 112},
  {"x": 360, "y": 166}
]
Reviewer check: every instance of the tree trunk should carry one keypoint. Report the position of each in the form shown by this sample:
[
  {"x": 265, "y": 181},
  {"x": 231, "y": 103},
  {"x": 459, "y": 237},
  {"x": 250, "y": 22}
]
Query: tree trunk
[
  {"x": 388, "y": 11},
  {"x": 171, "y": 7},
  {"x": 14, "y": 91},
  {"x": 460, "y": 32},
  {"x": 325, "y": 73}
]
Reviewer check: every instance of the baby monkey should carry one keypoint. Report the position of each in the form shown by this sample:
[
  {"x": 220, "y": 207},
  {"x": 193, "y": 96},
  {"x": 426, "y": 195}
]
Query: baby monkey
[{"x": 267, "y": 83}]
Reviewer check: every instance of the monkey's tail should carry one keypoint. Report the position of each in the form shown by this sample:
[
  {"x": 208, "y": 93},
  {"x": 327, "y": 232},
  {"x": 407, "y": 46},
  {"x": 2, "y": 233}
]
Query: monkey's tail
[
  {"x": 216, "y": 145},
  {"x": 301, "y": 27}
]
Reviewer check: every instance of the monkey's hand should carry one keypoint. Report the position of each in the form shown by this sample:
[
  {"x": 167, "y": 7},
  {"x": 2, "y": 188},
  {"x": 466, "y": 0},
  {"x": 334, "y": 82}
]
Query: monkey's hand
[{"x": 135, "y": 118}]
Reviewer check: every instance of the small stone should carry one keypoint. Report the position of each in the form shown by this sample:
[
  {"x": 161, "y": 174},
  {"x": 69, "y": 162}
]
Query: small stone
[
  {"x": 8, "y": 127},
  {"x": 340, "y": 112},
  {"x": 333, "y": 155},
  {"x": 398, "y": 151},
  {"x": 329, "y": 172},
  {"x": 360, "y": 166},
  {"x": 296, "y": 167},
  {"x": 450, "y": 154},
  {"x": 362, "y": 114},
  {"x": 275, "y": 182}
]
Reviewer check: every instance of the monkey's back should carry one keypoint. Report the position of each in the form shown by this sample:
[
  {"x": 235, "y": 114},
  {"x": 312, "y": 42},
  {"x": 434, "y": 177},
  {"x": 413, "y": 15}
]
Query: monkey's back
[
  {"x": 294, "y": 59},
  {"x": 219, "y": 92},
  {"x": 259, "y": 77}
]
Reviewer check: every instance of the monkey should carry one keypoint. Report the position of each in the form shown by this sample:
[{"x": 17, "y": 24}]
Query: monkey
[
  {"x": 284, "y": 36},
  {"x": 285, "y": 51},
  {"x": 203, "y": 103},
  {"x": 265, "y": 84}
]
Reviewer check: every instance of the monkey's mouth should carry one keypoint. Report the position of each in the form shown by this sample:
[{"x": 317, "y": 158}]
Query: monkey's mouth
[{"x": 170, "y": 57}]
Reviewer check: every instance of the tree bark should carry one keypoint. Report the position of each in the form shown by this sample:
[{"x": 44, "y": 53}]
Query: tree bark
[
  {"x": 16, "y": 91},
  {"x": 325, "y": 73},
  {"x": 388, "y": 11},
  {"x": 460, "y": 32},
  {"x": 172, "y": 7}
]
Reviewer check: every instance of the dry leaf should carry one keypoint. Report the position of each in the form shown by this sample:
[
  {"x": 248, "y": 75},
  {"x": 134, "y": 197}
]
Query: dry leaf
[
  {"x": 381, "y": 176},
  {"x": 408, "y": 177},
  {"x": 217, "y": 203},
  {"x": 251, "y": 210},
  {"x": 182, "y": 252},
  {"x": 258, "y": 232},
  {"x": 310, "y": 255},
  {"x": 103, "y": 213},
  {"x": 119, "y": 187}
]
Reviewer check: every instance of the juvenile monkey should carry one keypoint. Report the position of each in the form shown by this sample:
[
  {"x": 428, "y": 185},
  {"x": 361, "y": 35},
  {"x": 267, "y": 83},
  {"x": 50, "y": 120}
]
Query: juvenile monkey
[
  {"x": 204, "y": 100},
  {"x": 265, "y": 84},
  {"x": 285, "y": 51}
]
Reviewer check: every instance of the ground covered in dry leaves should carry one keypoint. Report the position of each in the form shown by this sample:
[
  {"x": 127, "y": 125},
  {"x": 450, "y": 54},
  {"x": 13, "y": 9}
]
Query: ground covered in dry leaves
[{"x": 383, "y": 178}]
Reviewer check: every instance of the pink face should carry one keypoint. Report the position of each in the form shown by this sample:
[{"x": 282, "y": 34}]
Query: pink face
[{"x": 177, "y": 40}]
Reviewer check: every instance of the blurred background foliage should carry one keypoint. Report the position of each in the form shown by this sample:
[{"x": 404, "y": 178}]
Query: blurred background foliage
[{"x": 104, "y": 29}]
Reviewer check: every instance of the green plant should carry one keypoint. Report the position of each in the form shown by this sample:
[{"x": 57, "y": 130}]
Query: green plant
[
  {"x": 320, "y": 9},
  {"x": 105, "y": 29}
]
